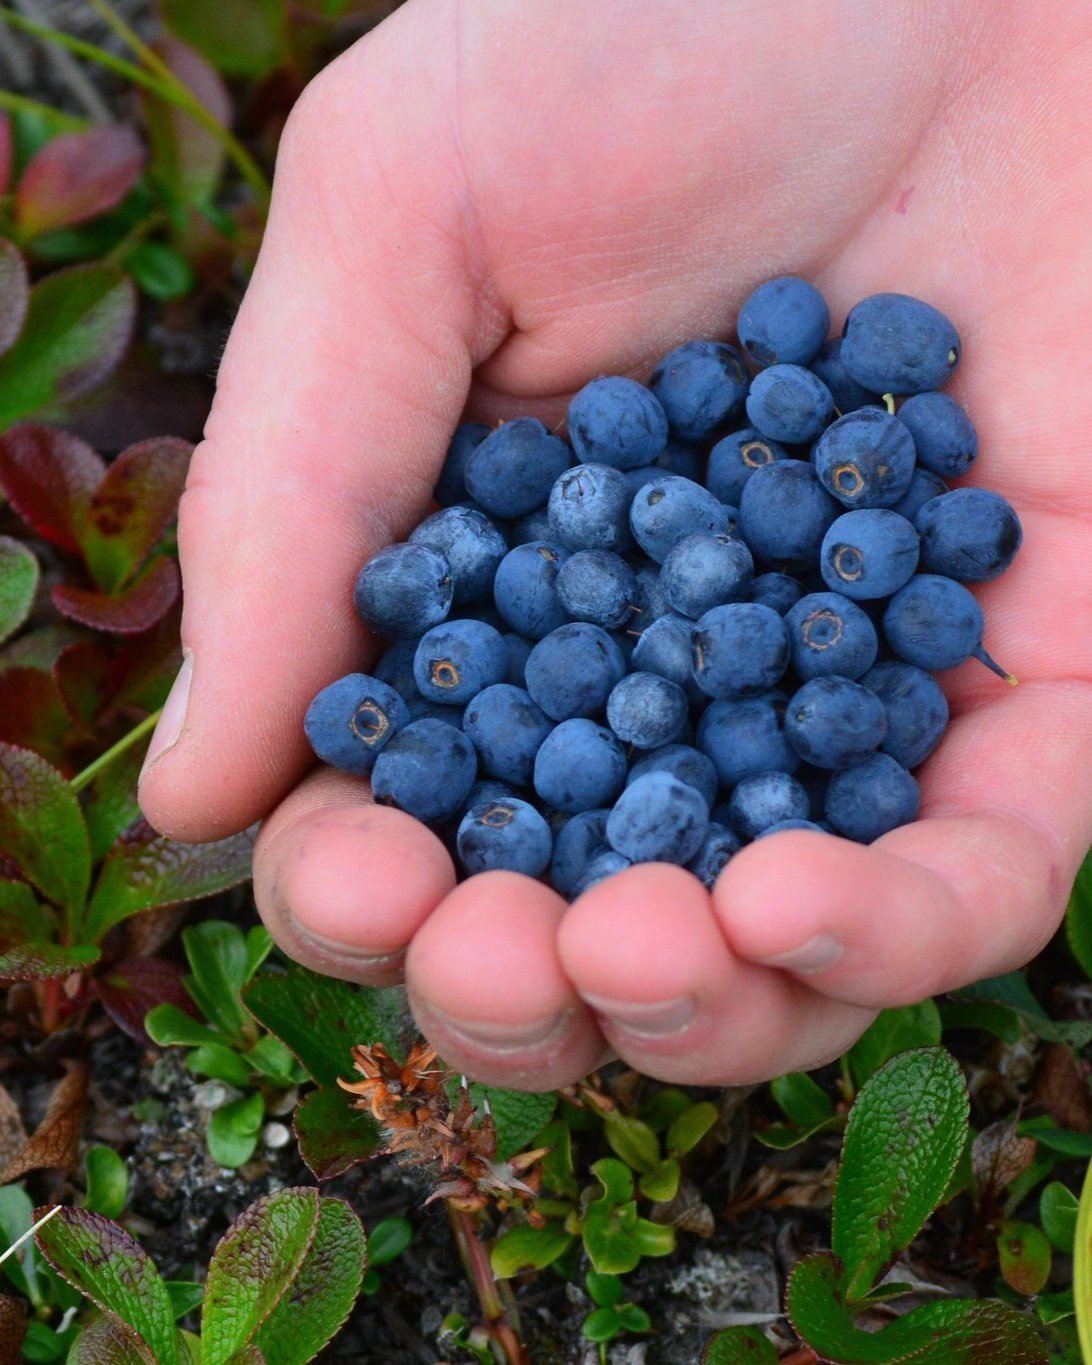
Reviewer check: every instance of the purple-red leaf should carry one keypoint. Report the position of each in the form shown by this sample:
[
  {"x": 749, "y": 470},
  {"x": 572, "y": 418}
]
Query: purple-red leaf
[
  {"x": 132, "y": 506},
  {"x": 50, "y": 478},
  {"x": 82, "y": 674},
  {"x": 77, "y": 176},
  {"x": 14, "y": 290},
  {"x": 7, "y": 152},
  {"x": 33, "y": 715},
  {"x": 147, "y": 600},
  {"x": 146, "y": 664},
  {"x": 187, "y": 155},
  {"x": 131, "y": 988},
  {"x": 42, "y": 830},
  {"x": 332, "y": 1135},
  {"x": 56, "y": 1140}
]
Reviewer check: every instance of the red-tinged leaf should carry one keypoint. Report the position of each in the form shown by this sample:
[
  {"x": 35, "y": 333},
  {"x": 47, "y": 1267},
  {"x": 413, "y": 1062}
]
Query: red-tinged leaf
[
  {"x": 39, "y": 648},
  {"x": 19, "y": 576},
  {"x": 188, "y": 157},
  {"x": 13, "y": 1329},
  {"x": 13, "y": 1135},
  {"x": 109, "y": 1341},
  {"x": 130, "y": 989},
  {"x": 41, "y": 828},
  {"x": 111, "y": 805},
  {"x": 22, "y": 916},
  {"x": 146, "y": 665},
  {"x": 33, "y": 715},
  {"x": 77, "y": 176},
  {"x": 40, "y": 961},
  {"x": 77, "y": 327},
  {"x": 14, "y": 292},
  {"x": 147, "y": 600},
  {"x": 144, "y": 869},
  {"x": 7, "y": 152},
  {"x": 100, "y": 1259},
  {"x": 50, "y": 478},
  {"x": 82, "y": 674},
  {"x": 55, "y": 1143},
  {"x": 332, "y": 1135},
  {"x": 132, "y": 507}
]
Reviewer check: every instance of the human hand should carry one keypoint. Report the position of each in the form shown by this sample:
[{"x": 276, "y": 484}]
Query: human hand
[{"x": 487, "y": 205}]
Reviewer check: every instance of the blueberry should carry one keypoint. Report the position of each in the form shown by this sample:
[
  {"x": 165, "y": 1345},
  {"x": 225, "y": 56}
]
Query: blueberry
[
  {"x": 472, "y": 546},
  {"x": 421, "y": 708},
  {"x": 742, "y": 737},
  {"x": 793, "y": 824},
  {"x": 678, "y": 457},
  {"x": 735, "y": 458},
  {"x": 664, "y": 648},
  {"x": 506, "y": 728},
  {"x": 871, "y": 798},
  {"x": 682, "y": 761},
  {"x": 783, "y": 322},
  {"x": 579, "y": 766},
  {"x": 403, "y": 590},
  {"x": 646, "y": 710},
  {"x": 784, "y": 512},
  {"x": 713, "y": 854},
  {"x": 834, "y": 722},
  {"x": 512, "y": 471},
  {"x": 917, "y": 710},
  {"x": 395, "y": 667},
  {"x": 580, "y": 839},
  {"x": 848, "y": 395},
  {"x": 666, "y": 510},
  {"x": 351, "y": 720},
  {"x": 776, "y": 590},
  {"x": 923, "y": 486},
  {"x": 572, "y": 670},
  {"x": 519, "y": 650},
  {"x": 534, "y": 526},
  {"x": 893, "y": 343},
  {"x": 427, "y": 770},
  {"x": 944, "y": 436},
  {"x": 507, "y": 833},
  {"x": 705, "y": 570},
  {"x": 649, "y": 600},
  {"x": 597, "y": 586},
  {"x": 969, "y": 534},
  {"x": 525, "y": 588},
  {"x": 602, "y": 866},
  {"x": 865, "y": 459},
  {"x": 764, "y": 799},
  {"x": 616, "y": 421},
  {"x": 451, "y": 485},
  {"x": 701, "y": 385},
  {"x": 830, "y": 634},
  {"x": 789, "y": 403},
  {"x": 739, "y": 649},
  {"x": 456, "y": 660},
  {"x": 589, "y": 509},
  {"x": 658, "y": 819},
  {"x": 869, "y": 553},
  {"x": 936, "y": 623}
]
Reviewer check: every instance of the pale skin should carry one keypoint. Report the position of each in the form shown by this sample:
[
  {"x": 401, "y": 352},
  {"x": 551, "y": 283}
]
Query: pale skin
[{"x": 483, "y": 205}]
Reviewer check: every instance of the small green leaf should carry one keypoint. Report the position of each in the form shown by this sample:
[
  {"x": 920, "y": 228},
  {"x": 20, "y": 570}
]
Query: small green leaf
[
  {"x": 662, "y": 1184},
  {"x": 22, "y": 1267},
  {"x": 271, "y": 1058},
  {"x": 634, "y": 1318},
  {"x": 804, "y": 1101},
  {"x": 259, "y": 944},
  {"x": 782, "y": 1136},
  {"x": 1061, "y": 1140},
  {"x": 1000, "y": 1020},
  {"x": 107, "y": 1181},
  {"x": 102, "y": 1261},
  {"x": 1058, "y": 1215},
  {"x": 18, "y": 583},
  {"x": 1012, "y": 989},
  {"x": 1055, "y": 1307},
  {"x": 42, "y": 829},
  {"x": 663, "y": 1107},
  {"x": 1082, "y": 1266},
  {"x": 22, "y": 916},
  {"x": 740, "y": 1346},
  {"x": 905, "y": 1134},
  {"x": 169, "y": 1026},
  {"x": 219, "y": 1062},
  {"x": 161, "y": 272},
  {"x": 388, "y": 1239},
  {"x": 524, "y": 1247},
  {"x": 1078, "y": 917},
  {"x": 558, "y": 1172},
  {"x": 688, "y": 1128},
  {"x": 1023, "y": 1254},
  {"x": 239, "y": 37},
  {"x": 332, "y": 1135},
  {"x": 216, "y": 952},
  {"x": 893, "y": 1031},
  {"x": 605, "y": 1290},
  {"x": 615, "y": 1178},
  {"x": 185, "y": 1296},
  {"x": 633, "y": 1141},
  {"x": 517, "y": 1115},
  {"x": 14, "y": 292},
  {"x": 601, "y": 1325},
  {"x": 232, "y": 1133}
]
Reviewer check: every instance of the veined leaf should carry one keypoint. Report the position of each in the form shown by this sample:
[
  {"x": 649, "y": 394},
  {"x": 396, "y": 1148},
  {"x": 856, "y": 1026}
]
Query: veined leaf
[
  {"x": 136, "y": 608},
  {"x": 50, "y": 477},
  {"x": 332, "y": 1135},
  {"x": 77, "y": 176},
  {"x": 14, "y": 284},
  {"x": 42, "y": 830}
]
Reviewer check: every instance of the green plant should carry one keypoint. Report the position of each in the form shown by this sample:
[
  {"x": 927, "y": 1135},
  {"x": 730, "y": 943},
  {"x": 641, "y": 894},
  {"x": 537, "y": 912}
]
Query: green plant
[{"x": 611, "y": 1317}]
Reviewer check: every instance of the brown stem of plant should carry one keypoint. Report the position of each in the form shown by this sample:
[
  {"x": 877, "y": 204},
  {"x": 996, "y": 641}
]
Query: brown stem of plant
[
  {"x": 804, "y": 1356},
  {"x": 501, "y": 1318},
  {"x": 50, "y": 1002}
]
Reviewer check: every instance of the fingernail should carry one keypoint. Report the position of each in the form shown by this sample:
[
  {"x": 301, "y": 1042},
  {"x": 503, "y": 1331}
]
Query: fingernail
[
  {"x": 502, "y": 1038},
  {"x": 658, "y": 1020},
  {"x": 816, "y": 955},
  {"x": 170, "y": 723}
]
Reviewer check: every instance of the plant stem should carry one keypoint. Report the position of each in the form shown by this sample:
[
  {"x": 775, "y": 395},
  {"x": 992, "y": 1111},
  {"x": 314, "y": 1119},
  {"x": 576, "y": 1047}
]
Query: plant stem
[
  {"x": 501, "y": 1319},
  {"x": 115, "y": 751},
  {"x": 23, "y": 104}
]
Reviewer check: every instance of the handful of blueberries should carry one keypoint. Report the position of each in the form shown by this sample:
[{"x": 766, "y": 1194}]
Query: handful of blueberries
[{"x": 713, "y": 613}]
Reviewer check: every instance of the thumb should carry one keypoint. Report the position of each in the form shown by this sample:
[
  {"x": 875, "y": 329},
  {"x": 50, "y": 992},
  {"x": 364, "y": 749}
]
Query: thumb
[{"x": 344, "y": 376}]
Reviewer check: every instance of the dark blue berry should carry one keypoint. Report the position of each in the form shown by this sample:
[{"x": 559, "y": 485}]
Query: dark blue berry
[
  {"x": 664, "y": 648},
  {"x": 646, "y": 710},
  {"x": 784, "y": 512},
  {"x": 783, "y": 322},
  {"x": 848, "y": 395},
  {"x": 616, "y": 421},
  {"x": 395, "y": 667},
  {"x": 742, "y": 737},
  {"x": 525, "y": 588},
  {"x": 572, "y": 670},
  {"x": 512, "y": 471},
  {"x": 865, "y": 459},
  {"x": 602, "y": 866},
  {"x": 735, "y": 458},
  {"x": 576, "y": 843},
  {"x": 427, "y": 770},
  {"x": 701, "y": 385},
  {"x": 789, "y": 403},
  {"x": 506, "y": 728},
  {"x": 456, "y": 660},
  {"x": 793, "y": 824},
  {"x": 871, "y": 798},
  {"x": 403, "y": 591},
  {"x": 893, "y": 343},
  {"x": 706, "y": 570},
  {"x": 713, "y": 854},
  {"x": 835, "y": 722},
  {"x": 451, "y": 485},
  {"x": 830, "y": 634},
  {"x": 658, "y": 819},
  {"x": 597, "y": 586},
  {"x": 944, "y": 436},
  {"x": 776, "y": 590},
  {"x": 917, "y": 710},
  {"x": 936, "y": 623},
  {"x": 764, "y": 799},
  {"x": 923, "y": 486},
  {"x": 589, "y": 509},
  {"x": 506, "y": 833},
  {"x": 739, "y": 649},
  {"x": 351, "y": 720},
  {"x": 869, "y": 553},
  {"x": 969, "y": 534},
  {"x": 670, "y": 508},
  {"x": 579, "y": 766},
  {"x": 472, "y": 546},
  {"x": 683, "y": 762}
]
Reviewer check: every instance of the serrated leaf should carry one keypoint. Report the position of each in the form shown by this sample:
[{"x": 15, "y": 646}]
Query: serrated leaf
[
  {"x": 33, "y": 715},
  {"x": 77, "y": 176},
  {"x": 332, "y": 1135},
  {"x": 145, "y": 869},
  {"x": 13, "y": 1329},
  {"x": 134, "y": 986},
  {"x": 42, "y": 961},
  {"x": 14, "y": 291},
  {"x": 42, "y": 830},
  {"x": 892, "y": 1031},
  {"x": 109, "y": 1341},
  {"x": 232, "y": 1134},
  {"x": 253, "y": 1267},
  {"x": 239, "y": 37},
  {"x": 132, "y": 507},
  {"x": 740, "y": 1346},
  {"x": 953, "y": 1332},
  {"x": 320, "y": 1019},
  {"x": 104, "y": 1263},
  {"x": 524, "y": 1247},
  {"x": 77, "y": 326},
  {"x": 517, "y": 1115},
  {"x": 1078, "y": 917},
  {"x": 136, "y": 608},
  {"x": 1058, "y": 1215},
  {"x": 323, "y": 1291},
  {"x": 903, "y": 1138},
  {"x": 187, "y": 157},
  {"x": 18, "y": 579},
  {"x": 1023, "y": 1255},
  {"x": 54, "y": 1144},
  {"x": 49, "y": 477}
]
